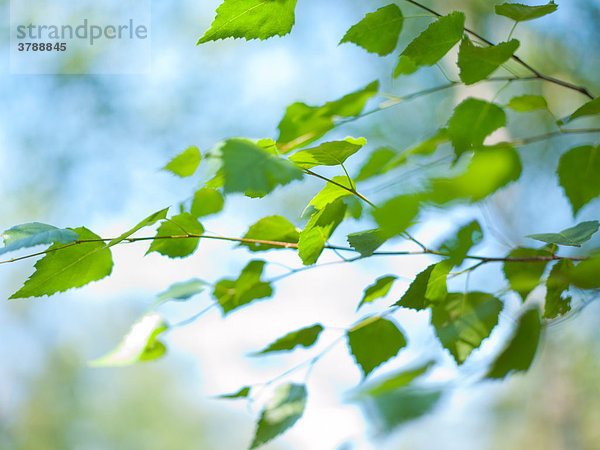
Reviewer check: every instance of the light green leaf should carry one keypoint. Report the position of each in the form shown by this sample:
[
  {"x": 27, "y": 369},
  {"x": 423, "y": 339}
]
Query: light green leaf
[
  {"x": 140, "y": 344},
  {"x": 251, "y": 19},
  {"x": 35, "y": 233},
  {"x": 150, "y": 220},
  {"x": 373, "y": 342},
  {"x": 396, "y": 381},
  {"x": 242, "y": 393},
  {"x": 586, "y": 274},
  {"x": 578, "y": 171},
  {"x": 459, "y": 246},
  {"x": 366, "y": 242},
  {"x": 437, "y": 40},
  {"x": 318, "y": 230},
  {"x": 437, "y": 288},
  {"x": 427, "y": 286},
  {"x": 376, "y": 163},
  {"x": 378, "y": 32},
  {"x": 232, "y": 294},
  {"x": 206, "y": 202},
  {"x": 573, "y": 237},
  {"x": 558, "y": 282},
  {"x": 332, "y": 192},
  {"x": 405, "y": 66},
  {"x": 519, "y": 12},
  {"x": 272, "y": 228},
  {"x": 328, "y": 154},
  {"x": 590, "y": 108},
  {"x": 280, "y": 413},
  {"x": 183, "y": 290},
  {"x": 71, "y": 267},
  {"x": 185, "y": 164},
  {"x": 249, "y": 167},
  {"x": 463, "y": 321},
  {"x": 379, "y": 289},
  {"x": 477, "y": 63},
  {"x": 305, "y": 337},
  {"x": 303, "y": 124},
  {"x": 526, "y": 103},
  {"x": 396, "y": 215},
  {"x": 473, "y": 120},
  {"x": 518, "y": 354},
  {"x": 179, "y": 247},
  {"x": 524, "y": 277}
]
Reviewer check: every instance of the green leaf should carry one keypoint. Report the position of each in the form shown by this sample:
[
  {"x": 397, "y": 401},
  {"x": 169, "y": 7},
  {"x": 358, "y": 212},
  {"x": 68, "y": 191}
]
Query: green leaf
[
  {"x": 477, "y": 63},
  {"x": 524, "y": 277},
  {"x": 251, "y": 19},
  {"x": 242, "y": 393},
  {"x": 328, "y": 154},
  {"x": 379, "y": 289},
  {"x": 405, "y": 66},
  {"x": 573, "y": 237},
  {"x": 366, "y": 242},
  {"x": 35, "y": 233},
  {"x": 425, "y": 148},
  {"x": 437, "y": 40},
  {"x": 375, "y": 164},
  {"x": 248, "y": 167},
  {"x": 459, "y": 246},
  {"x": 473, "y": 120},
  {"x": 332, "y": 192},
  {"x": 68, "y": 268},
  {"x": 183, "y": 290},
  {"x": 556, "y": 284},
  {"x": 378, "y": 32},
  {"x": 578, "y": 171},
  {"x": 463, "y": 321},
  {"x": 318, "y": 230},
  {"x": 398, "y": 380},
  {"x": 518, "y": 355},
  {"x": 520, "y": 13},
  {"x": 429, "y": 285},
  {"x": 396, "y": 215},
  {"x": 437, "y": 288},
  {"x": 303, "y": 124},
  {"x": 586, "y": 274},
  {"x": 232, "y": 294},
  {"x": 206, "y": 202},
  {"x": 526, "y": 103},
  {"x": 373, "y": 342},
  {"x": 185, "y": 164},
  {"x": 148, "y": 221},
  {"x": 590, "y": 108},
  {"x": 180, "y": 225},
  {"x": 140, "y": 344},
  {"x": 272, "y": 228},
  {"x": 304, "y": 337},
  {"x": 280, "y": 413}
]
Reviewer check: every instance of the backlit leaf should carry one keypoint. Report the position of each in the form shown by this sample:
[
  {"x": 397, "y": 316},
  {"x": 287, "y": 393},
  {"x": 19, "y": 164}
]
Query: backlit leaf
[
  {"x": 396, "y": 381},
  {"x": 375, "y": 164},
  {"x": 328, "y": 154},
  {"x": 148, "y": 221},
  {"x": 525, "y": 276},
  {"x": 590, "y": 108},
  {"x": 526, "y": 103},
  {"x": 405, "y": 66},
  {"x": 184, "y": 164},
  {"x": 458, "y": 246},
  {"x": 429, "y": 285},
  {"x": 305, "y": 337},
  {"x": 331, "y": 192},
  {"x": 573, "y": 237},
  {"x": 586, "y": 274},
  {"x": 396, "y": 215},
  {"x": 177, "y": 247},
  {"x": 578, "y": 171},
  {"x": 232, "y": 294},
  {"x": 556, "y": 284},
  {"x": 183, "y": 290},
  {"x": 477, "y": 63},
  {"x": 242, "y": 393},
  {"x": 519, "y": 12},
  {"x": 272, "y": 228},
  {"x": 32, "y": 234},
  {"x": 206, "y": 202},
  {"x": 377, "y": 290},
  {"x": 318, "y": 230},
  {"x": 366, "y": 242}
]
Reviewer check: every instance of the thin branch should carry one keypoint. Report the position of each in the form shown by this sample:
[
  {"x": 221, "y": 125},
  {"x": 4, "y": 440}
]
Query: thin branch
[{"x": 542, "y": 137}]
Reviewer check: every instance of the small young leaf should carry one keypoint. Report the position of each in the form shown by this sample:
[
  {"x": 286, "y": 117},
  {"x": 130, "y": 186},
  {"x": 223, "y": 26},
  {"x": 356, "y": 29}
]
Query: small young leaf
[
  {"x": 556, "y": 284},
  {"x": 377, "y": 290},
  {"x": 520, "y": 350},
  {"x": 586, "y": 274},
  {"x": 463, "y": 321},
  {"x": 331, "y": 192},
  {"x": 179, "y": 247},
  {"x": 378, "y": 32},
  {"x": 251, "y": 19},
  {"x": 366, "y": 242},
  {"x": 573, "y": 237},
  {"x": 318, "y": 230},
  {"x": 328, "y": 154},
  {"x": 242, "y": 393},
  {"x": 232, "y": 294},
  {"x": 375, "y": 164},
  {"x": 148, "y": 221},
  {"x": 405, "y": 66},
  {"x": 396, "y": 381},
  {"x": 458, "y": 246},
  {"x": 525, "y": 276},
  {"x": 520, "y": 13},
  {"x": 140, "y": 344},
  {"x": 271, "y": 228},
  {"x": 305, "y": 337},
  {"x": 374, "y": 341},
  {"x": 527, "y": 103},
  {"x": 429, "y": 285},
  {"x": 578, "y": 171},
  {"x": 280, "y": 413},
  {"x": 182, "y": 291},
  {"x": 590, "y": 108},
  {"x": 68, "y": 268},
  {"x": 396, "y": 215},
  {"x": 206, "y": 202},
  {"x": 477, "y": 63},
  {"x": 185, "y": 164},
  {"x": 32, "y": 234}
]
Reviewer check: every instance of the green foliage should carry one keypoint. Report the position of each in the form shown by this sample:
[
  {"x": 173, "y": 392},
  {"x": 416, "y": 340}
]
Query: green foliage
[
  {"x": 280, "y": 413},
  {"x": 305, "y": 337},
  {"x": 379, "y": 289},
  {"x": 405, "y": 66},
  {"x": 396, "y": 215},
  {"x": 590, "y": 108},
  {"x": 366, "y": 242},
  {"x": 251, "y": 19},
  {"x": 378, "y": 32},
  {"x": 586, "y": 274},
  {"x": 206, "y": 201},
  {"x": 477, "y": 63},
  {"x": 32, "y": 234},
  {"x": 318, "y": 230},
  {"x": 398, "y": 380},
  {"x": 458, "y": 246},
  {"x": 148, "y": 221},
  {"x": 185, "y": 164},
  {"x": 180, "y": 225},
  {"x": 183, "y": 290},
  {"x": 519, "y": 12},
  {"x": 578, "y": 175},
  {"x": 415, "y": 296},
  {"x": 272, "y": 228},
  {"x": 527, "y": 103},
  {"x": 374, "y": 341},
  {"x": 232, "y": 294},
  {"x": 338, "y": 187},
  {"x": 556, "y": 284},
  {"x": 573, "y": 237},
  {"x": 242, "y": 393},
  {"x": 525, "y": 276},
  {"x": 376, "y": 163},
  {"x": 328, "y": 154}
]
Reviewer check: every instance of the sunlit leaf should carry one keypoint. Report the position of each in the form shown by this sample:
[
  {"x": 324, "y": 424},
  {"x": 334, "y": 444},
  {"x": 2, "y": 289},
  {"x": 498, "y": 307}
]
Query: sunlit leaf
[
  {"x": 578, "y": 171},
  {"x": 573, "y": 237},
  {"x": 379, "y": 289},
  {"x": 396, "y": 215},
  {"x": 556, "y": 284},
  {"x": 331, "y": 192},
  {"x": 405, "y": 66},
  {"x": 242, "y": 393},
  {"x": 179, "y": 246},
  {"x": 184, "y": 164},
  {"x": 477, "y": 63},
  {"x": 590, "y": 108},
  {"x": 271, "y": 228},
  {"x": 459, "y": 245},
  {"x": 366, "y": 242},
  {"x": 397, "y": 380},
  {"x": 32, "y": 234},
  {"x": 425, "y": 148},
  {"x": 527, "y": 102},
  {"x": 376, "y": 162},
  {"x": 183, "y": 290},
  {"x": 148, "y": 221},
  {"x": 305, "y": 337},
  {"x": 232, "y": 294},
  {"x": 328, "y": 154},
  {"x": 429, "y": 285},
  {"x": 525, "y": 276},
  {"x": 519, "y": 12},
  {"x": 586, "y": 274},
  {"x": 318, "y": 230},
  {"x": 206, "y": 202}
]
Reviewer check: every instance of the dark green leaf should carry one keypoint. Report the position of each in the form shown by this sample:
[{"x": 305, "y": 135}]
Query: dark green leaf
[
  {"x": 578, "y": 171},
  {"x": 374, "y": 341},
  {"x": 429, "y": 285},
  {"x": 304, "y": 337},
  {"x": 376, "y": 162},
  {"x": 32, "y": 234},
  {"x": 519, "y": 12},
  {"x": 182, "y": 291},
  {"x": 556, "y": 284},
  {"x": 525, "y": 276},
  {"x": 231, "y": 294},
  {"x": 185, "y": 164},
  {"x": 590, "y": 108},
  {"x": 573, "y": 237},
  {"x": 379, "y": 289},
  {"x": 586, "y": 274},
  {"x": 331, "y": 192},
  {"x": 328, "y": 154},
  {"x": 518, "y": 355},
  {"x": 280, "y": 413},
  {"x": 242, "y": 393},
  {"x": 396, "y": 381},
  {"x": 477, "y": 63},
  {"x": 366, "y": 242},
  {"x": 526, "y": 103},
  {"x": 140, "y": 344},
  {"x": 318, "y": 230},
  {"x": 71, "y": 267},
  {"x": 179, "y": 247},
  {"x": 459, "y": 246},
  {"x": 206, "y": 202},
  {"x": 251, "y": 19},
  {"x": 405, "y": 66},
  {"x": 396, "y": 215},
  {"x": 150, "y": 220},
  {"x": 463, "y": 321},
  {"x": 272, "y": 228},
  {"x": 378, "y": 32}
]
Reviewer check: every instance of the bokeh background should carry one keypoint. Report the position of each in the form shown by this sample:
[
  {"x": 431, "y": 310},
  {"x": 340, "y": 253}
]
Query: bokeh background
[{"x": 86, "y": 150}]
